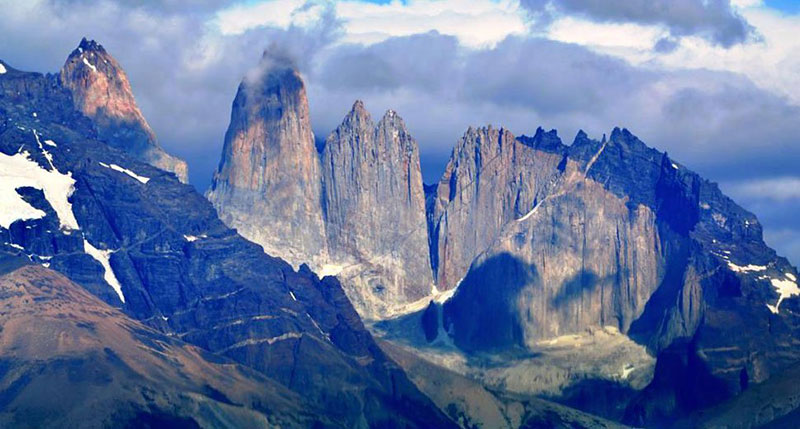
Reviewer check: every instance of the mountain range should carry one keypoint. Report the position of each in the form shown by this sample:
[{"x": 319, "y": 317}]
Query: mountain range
[{"x": 537, "y": 284}]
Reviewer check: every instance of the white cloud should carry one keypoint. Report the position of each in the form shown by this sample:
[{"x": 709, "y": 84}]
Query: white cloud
[
  {"x": 770, "y": 62},
  {"x": 475, "y": 23},
  {"x": 776, "y": 189}
]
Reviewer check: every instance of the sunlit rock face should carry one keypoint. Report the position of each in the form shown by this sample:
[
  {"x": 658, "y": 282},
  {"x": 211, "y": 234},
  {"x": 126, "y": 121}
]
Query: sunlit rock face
[
  {"x": 268, "y": 183},
  {"x": 375, "y": 212},
  {"x": 101, "y": 91},
  {"x": 610, "y": 233}
]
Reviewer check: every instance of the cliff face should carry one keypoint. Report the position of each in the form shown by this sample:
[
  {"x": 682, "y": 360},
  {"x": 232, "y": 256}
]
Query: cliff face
[
  {"x": 101, "y": 91},
  {"x": 375, "y": 212},
  {"x": 611, "y": 233},
  {"x": 268, "y": 184},
  {"x": 356, "y": 210}
]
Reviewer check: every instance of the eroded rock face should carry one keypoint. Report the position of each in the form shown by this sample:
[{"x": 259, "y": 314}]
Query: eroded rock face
[
  {"x": 375, "y": 212},
  {"x": 268, "y": 183},
  {"x": 491, "y": 180},
  {"x": 611, "y": 233},
  {"x": 101, "y": 91}
]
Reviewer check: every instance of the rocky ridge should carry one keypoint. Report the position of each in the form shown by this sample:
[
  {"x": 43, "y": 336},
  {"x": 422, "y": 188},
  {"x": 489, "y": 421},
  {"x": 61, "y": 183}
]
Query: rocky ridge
[
  {"x": 329, "y": 210},
  {"x": 374, "y": 209},
  {"x": 101, "y": 91}
]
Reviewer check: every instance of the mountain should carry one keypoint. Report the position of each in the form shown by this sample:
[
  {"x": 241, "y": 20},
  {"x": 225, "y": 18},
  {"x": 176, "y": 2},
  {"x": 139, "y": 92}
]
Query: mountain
[
  {"x": 69, "y": 359},
  {"x": 326, "y": 209},
  {"x": 534, "y": 244},
  {"x": 374, "y": 209},
  {"x": 267, "y": 185},
  {"x": 141, "y": 241},
  {"x": 612, "y": 233},
  {"x": 101, "y": 91}
]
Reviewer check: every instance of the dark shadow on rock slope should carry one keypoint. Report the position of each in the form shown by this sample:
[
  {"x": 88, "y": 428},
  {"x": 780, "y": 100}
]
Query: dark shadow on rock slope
[{"x": 481, "y": 315}]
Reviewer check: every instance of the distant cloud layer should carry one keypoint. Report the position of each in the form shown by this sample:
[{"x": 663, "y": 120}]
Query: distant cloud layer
[
  {"x": 688, "y": 77},
  {"x": 714, "y": 19}
]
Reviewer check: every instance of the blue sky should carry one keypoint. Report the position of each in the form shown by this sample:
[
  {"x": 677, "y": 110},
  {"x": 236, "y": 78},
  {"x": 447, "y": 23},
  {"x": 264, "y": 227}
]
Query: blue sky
[{"x": 713, "y": 82}]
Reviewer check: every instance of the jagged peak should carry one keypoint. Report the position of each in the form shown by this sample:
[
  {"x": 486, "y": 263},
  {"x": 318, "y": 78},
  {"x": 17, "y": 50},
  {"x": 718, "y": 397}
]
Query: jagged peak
[
  {"x": 358, "y": 106},
  {"x": 393, "y": 120},
  {"x": 87, "y": 46},
  {"x": 580, "y": 136},
  {"x": 358, "y": 110},
  {"x": 546, "y": 140},
  {"x": 90, "y": 45},
  {"x": 358, "y": 116},
  {"x": 618, "y": 133}
]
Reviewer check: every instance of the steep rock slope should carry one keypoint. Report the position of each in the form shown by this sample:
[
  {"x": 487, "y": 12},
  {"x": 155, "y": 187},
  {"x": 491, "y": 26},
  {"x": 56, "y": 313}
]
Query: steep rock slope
[
  {"x": 375, "y": 212},
  {"x": 268, "y": 184},
  {"x": 101, "y": 91},
  {"x": 612, "y": 233},
  {"x": 68, "y": 360},
  {"x": 138, "y": 239}
]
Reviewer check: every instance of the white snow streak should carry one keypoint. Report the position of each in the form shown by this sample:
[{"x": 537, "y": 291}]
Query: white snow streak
[
  {"x": 88, "y": 64},
  {"x": 747, "y": 268},
  {"x": 116, "y": 167},
  {"x": 254, "y": 341},
  {"x": 2, "y": 69},
  {"x": 104, "y": 258}
]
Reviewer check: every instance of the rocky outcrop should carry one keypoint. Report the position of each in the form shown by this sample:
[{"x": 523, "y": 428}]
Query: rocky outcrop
[
  {"x": 356, "y": 210},
  {"x": 101, "y": 91},
  {"x": 490, "y": 180},
  {"x": 268, "y": 183},
  {"x": 374, "y": 208}
]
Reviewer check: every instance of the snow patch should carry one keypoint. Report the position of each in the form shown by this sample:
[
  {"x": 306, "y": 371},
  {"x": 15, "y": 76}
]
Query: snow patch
[
  {"x": 191, "y": 238},
  {"x": 88, "y": 64},
  {"x": 19, "y": 171},
  {"x": 330, "y": 270},
  {"x": 104, "y": 258},
  {"x": 791, "y": 277},
  {"x": 786, "y": 289},
  {"x": 529, "y": 214},
  {"x": 35, "y": 115},
  {"x": 746, "y": 268},
  {"x": 675, "y": 166},
  {"x": 116, "y": 167},
  {"x": 626, "y": 371},
  {"x": 16, "y": 246},
  {"x": 292, "y": 295},
  {"x": 50, "y": 143},
  {"x": 2, "y": 69}
]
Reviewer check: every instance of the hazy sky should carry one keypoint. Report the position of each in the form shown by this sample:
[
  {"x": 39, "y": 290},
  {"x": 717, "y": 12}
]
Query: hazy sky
[{"x": 716, "y": 83}]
